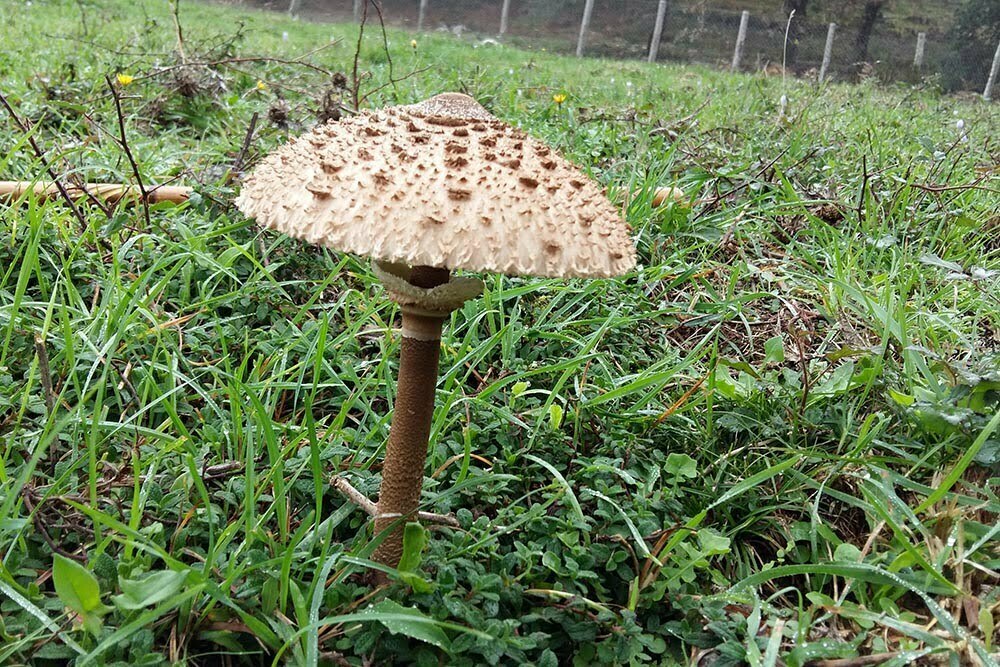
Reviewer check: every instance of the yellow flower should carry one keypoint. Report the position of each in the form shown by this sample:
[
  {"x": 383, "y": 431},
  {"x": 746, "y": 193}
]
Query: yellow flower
[
  {"x": 413, "y": 43},
  {"x": 559, "y": 98},
  {"x": 125, "y": 79},
  {"x": 261, "y": 85}
]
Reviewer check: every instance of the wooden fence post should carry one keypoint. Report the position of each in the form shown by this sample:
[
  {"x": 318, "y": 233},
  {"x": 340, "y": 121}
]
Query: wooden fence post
[
  {"x": 994, "y": 71},
  {"x": 293, "y": 8},
  {"x": 505, "y": 17},
  {"x": 588, "y": 11},
  {"x": 918, "y": 57},
  {"x": 827, "y": 52},
  {"x": 661, "y": 15},
  {"x": 422, "y": 15},
  {"x": 741, "y": 39}
]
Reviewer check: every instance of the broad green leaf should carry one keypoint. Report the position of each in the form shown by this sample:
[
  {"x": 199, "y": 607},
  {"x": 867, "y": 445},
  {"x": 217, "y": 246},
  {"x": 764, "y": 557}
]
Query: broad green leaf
[
  {"x": 75, "y": 585},
  {"x": 983, "y": 396},
  {"x": 633, "y": 594},
  {"x": 903, "y": 399},
  {"x": 736, "y": 490},
  {"x": 989, "y": 455},
  {"x": 145, "y": 619},
  {"x": 821, "y": 599},
  {"x": 639, "y": 541},
  {"x": 741, "y": 366},
  {"x": 712, "y": 543},
  {"x": 555, "y": 415},
  {"x": 774, "y": 350},
  {"x": 847, "y": 553},
  {"x": 299, "y": 603},
  {"x": 838, "y": 382},
  {"x": 92, "y": 623},
  {"x": 681, "y": 465},
  {"x": 78, "y": 589},
  {"x": 151, "y": 589},
  {"x": 422, "y": 628}
]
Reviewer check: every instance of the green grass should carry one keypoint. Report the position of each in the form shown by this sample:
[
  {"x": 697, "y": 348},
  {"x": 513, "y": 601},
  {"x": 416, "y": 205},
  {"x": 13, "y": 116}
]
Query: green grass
[{"x": 775, "y": 442}]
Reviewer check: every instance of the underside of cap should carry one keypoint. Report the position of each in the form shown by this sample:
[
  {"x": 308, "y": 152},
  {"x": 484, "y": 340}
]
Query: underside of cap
[{"x": 441, "y": 183}]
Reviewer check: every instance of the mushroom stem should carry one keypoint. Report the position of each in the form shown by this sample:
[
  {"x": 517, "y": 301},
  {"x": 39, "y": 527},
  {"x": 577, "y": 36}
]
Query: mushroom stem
[{"x": 406, "y": 451}]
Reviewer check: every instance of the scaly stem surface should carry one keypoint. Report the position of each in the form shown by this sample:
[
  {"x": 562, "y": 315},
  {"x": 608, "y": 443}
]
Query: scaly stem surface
[{"x": 406, "y": 451}]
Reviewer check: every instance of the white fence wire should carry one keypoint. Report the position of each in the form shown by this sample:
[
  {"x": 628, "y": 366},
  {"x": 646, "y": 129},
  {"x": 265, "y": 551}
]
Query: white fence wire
[{"x": 827, "y": 45}]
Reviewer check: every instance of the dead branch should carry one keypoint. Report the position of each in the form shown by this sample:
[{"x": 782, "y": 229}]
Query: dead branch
[
  {"x": 682, "y": 121},
  {"x": 123, "y": 142},
  {"x": 176, "y": 6},
  {"x": 24, "y": 127},
  {"x": 355, "y": 496},
  {"x": 714, "y": 201},
  {"x": 247, "y": 139},
  {"x": 371, "y": 509},
  {"x": 357, "y": 99},
  {"x": 36, "y": 519},
  {"x": 237, "y": 61},
  {"x": 385, "y": 47},
  {"x": 355, "y": 80},
  {"x": 928, "y": 187},
  {"x": 45, "y": 373},
  {"x": 112, "y": 193}
]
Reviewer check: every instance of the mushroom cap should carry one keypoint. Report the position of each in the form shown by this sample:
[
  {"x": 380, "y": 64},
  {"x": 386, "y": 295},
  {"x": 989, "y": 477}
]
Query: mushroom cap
[{"x": 441, "y": 183}]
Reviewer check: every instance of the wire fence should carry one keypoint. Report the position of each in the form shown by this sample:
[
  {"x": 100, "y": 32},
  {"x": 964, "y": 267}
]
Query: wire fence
[{"x": 843, "y": 43}]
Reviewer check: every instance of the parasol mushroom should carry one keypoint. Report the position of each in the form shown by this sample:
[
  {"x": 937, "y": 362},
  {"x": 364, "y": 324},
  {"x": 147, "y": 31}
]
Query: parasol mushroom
[
  {"x": 422, "y": 190},
  {"x": 665, "y": 195}
]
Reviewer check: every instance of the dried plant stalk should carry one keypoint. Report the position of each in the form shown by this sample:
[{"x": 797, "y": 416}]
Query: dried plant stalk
[{"x": 110, "y": 192}]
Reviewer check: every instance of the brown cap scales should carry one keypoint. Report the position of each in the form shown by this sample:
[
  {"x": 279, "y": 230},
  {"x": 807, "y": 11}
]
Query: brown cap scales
[{"x": 441, "y": 183}]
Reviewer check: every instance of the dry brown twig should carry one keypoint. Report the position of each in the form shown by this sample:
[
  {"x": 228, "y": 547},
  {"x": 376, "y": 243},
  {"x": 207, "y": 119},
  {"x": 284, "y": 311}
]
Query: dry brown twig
[
  {"x": 24, "y": 127},
  {"x": 371, "y": 509},
  {"x": 112, "y": 193},
  {"x": 355, "y": 80},
  {"x": 208, "y": 64},
  {"x": 357, "y": 99},
  {"x": 714, "y": 201},
  {"x": 28, "y": 496},
  {"x": 176, "y": 6},
  {"x": 45, "y": 373},
  {"x": 247, "y": 139},
  {"x": 686, "y": 120},
  {"x": 122, "y": 141}
]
